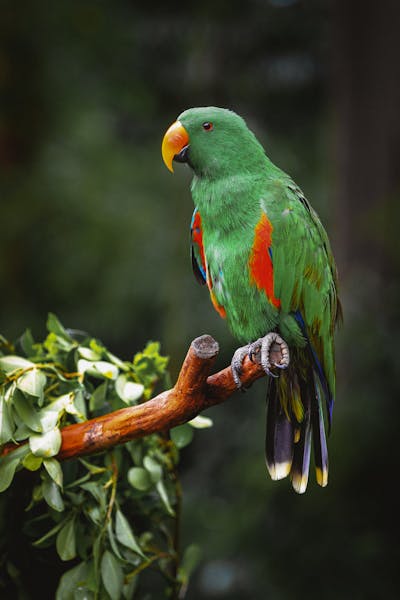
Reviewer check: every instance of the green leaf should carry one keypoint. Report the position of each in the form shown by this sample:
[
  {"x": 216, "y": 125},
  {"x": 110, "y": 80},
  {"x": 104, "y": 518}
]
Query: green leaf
[
  {"x": 52, "y": 413},
  {"x": 201, "y": 422},
  {"x": 113, "y": 543},
  {"x": 22, "y": 432},
  {"x": 54, "y": 469},
  {"x": 123, "y": 366},
  {"x": 48, "y": 418},
  {"x": 66, "y": 541},
  {"x": 11, "y": 363},
  {"x": 164, "y": 498},
  {"x": 190, "y": 560},
  {"x": 71, "y": 408},
  {"x": 32, "y": 382},
  {"x": 27, "y": 342},
  {"x": 88, "y": 353},
  {"x": 153, "y": 467},
  {"x": 32, "y": 462},
  {"x": 98, "y": 398},
  {"x": 26, "y": 411},
  {"x": 135, "y": 450},
  {"x": 182, "y": 435},
  {"x": 139, "y": 478},
  {"x": 97, "y": 491},
  {"x": 98, "y": 368},
  {"x": 112, "y": 575},
  {"x": 125, "y": 535},
  {"x": 8, "y": 465},
  {"x": 72, "y": 581},
  {"x": 97, "y": 346},
  {"x": 51, "y": 493},
  {"x": 55, "y": 326},
  {"x": 97, "y": 546},
  {"x": 6, "y": 423},
  {"x": 128, "y": 390},
  {"x": 80, "y": 404},
  {"x": 46, "y": 444}
]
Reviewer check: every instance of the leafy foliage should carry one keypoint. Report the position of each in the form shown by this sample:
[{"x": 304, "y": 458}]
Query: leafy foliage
[{"x": 117, "y": 513}]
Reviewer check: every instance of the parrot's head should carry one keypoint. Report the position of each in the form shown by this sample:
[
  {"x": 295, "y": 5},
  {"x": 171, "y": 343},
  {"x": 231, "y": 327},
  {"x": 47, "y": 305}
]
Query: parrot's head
[{"x": 213, "y": 141}]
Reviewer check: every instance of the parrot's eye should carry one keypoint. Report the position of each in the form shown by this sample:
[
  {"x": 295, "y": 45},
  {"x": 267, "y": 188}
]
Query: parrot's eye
[{"x": 207, "y": 126}]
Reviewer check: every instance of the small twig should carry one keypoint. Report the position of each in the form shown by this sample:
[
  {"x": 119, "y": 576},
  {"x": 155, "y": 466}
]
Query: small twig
[
  {"x": 145, "y": 564},
  {"x": 193, "y": 392}
]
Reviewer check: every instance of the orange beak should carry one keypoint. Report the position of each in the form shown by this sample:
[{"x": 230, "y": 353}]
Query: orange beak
[{"x": 175, "y": 139}]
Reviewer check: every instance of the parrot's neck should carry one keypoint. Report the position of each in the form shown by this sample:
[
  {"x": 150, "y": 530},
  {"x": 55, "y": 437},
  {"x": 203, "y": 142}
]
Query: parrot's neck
[
  {"x": 232, "y": 199},
  {"x": 225, "y": 201}
]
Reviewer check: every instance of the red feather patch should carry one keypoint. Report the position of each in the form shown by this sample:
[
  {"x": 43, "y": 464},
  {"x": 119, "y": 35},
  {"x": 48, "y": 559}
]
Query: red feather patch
[
  {"x": 260, "y": 262},
  {"x": 197, "y": 237}
]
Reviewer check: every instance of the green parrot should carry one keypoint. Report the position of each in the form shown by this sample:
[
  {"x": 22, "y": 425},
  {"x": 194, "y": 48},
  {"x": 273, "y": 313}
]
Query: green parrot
[{"x": 266, "y": 259}]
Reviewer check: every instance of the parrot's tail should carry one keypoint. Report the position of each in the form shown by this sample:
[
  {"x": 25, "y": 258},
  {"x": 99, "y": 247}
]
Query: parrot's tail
[{"x": 294, "y": 416}]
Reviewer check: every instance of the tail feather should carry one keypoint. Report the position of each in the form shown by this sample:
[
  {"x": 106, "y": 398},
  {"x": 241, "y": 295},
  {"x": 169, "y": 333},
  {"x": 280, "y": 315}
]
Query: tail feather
[
  {"x": 289, "y": 433},
  {"x": 319, "y": 438},
  {"x": 302, "y": 448},
  {"x": 280, "y": 435},
  {"x": 317, "y": 366}
]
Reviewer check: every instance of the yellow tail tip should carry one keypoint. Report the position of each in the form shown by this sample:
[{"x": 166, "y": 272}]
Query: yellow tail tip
[{"x": 322, "y": 476}]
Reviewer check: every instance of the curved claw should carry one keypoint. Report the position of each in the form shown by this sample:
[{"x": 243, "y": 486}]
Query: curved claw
[
  {"x": 270, "y": 373},
  {"x": 253, "y": 349},
  {"x": 279, "y": 366}
]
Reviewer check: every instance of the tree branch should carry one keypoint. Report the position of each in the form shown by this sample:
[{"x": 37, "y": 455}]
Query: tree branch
[{"x": 194, "y": 391}]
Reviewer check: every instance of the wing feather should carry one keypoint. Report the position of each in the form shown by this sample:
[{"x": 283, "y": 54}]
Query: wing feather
[{"x": 305, "y": 277}]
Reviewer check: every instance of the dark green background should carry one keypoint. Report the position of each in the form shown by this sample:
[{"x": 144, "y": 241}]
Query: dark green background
[{"x": 95, "y": 229}]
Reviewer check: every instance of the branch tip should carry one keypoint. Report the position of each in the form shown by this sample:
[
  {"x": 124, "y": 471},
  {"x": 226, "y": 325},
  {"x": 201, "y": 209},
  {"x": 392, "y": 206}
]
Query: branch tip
[{"x": 205, "y": 347}]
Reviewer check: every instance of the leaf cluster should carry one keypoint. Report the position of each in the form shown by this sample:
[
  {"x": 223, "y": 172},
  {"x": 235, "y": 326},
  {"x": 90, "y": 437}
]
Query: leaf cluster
[{"x": 116, "y": 514}]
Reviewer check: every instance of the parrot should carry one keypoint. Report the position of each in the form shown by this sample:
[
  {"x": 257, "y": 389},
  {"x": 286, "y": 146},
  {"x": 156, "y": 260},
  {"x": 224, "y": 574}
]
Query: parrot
[{"x": 261, "y": 250}]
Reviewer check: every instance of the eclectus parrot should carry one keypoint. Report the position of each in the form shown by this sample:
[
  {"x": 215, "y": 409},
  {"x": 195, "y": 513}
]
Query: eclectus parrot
[{"x": 266, "y": 259}]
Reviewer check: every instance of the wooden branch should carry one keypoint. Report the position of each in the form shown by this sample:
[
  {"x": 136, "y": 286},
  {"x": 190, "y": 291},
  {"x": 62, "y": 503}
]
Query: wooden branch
[{"x": 193, "y": 392}]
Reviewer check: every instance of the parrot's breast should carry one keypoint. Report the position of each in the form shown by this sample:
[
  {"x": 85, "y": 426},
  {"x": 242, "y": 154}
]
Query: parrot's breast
[
  {"x": 236, "y": 242},
  {"x": 234, "y": 293}
]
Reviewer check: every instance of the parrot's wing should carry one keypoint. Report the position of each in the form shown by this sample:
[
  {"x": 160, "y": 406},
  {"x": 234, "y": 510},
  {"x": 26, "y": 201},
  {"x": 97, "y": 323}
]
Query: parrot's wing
[
  {"x": 197, "y": 249},
  {"x": 305, "y": 278}
]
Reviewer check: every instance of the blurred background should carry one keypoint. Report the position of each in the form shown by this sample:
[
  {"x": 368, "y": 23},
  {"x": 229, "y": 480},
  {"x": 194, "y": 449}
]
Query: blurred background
[{"x": 95, "y": 229}]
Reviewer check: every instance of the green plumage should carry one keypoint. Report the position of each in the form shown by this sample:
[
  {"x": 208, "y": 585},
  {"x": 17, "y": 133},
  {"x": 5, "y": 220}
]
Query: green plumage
[{"x": 269, "y": 267}]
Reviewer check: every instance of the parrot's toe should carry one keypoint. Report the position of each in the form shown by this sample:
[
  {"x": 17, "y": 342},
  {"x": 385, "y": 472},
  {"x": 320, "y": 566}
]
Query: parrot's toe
[
  {"x": 284, "y": 349},
  {"x": 236, "y": 363}
]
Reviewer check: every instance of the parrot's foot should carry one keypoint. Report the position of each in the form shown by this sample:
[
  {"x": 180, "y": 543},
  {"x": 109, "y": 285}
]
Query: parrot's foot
[{"x": 264, "y": 346}]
